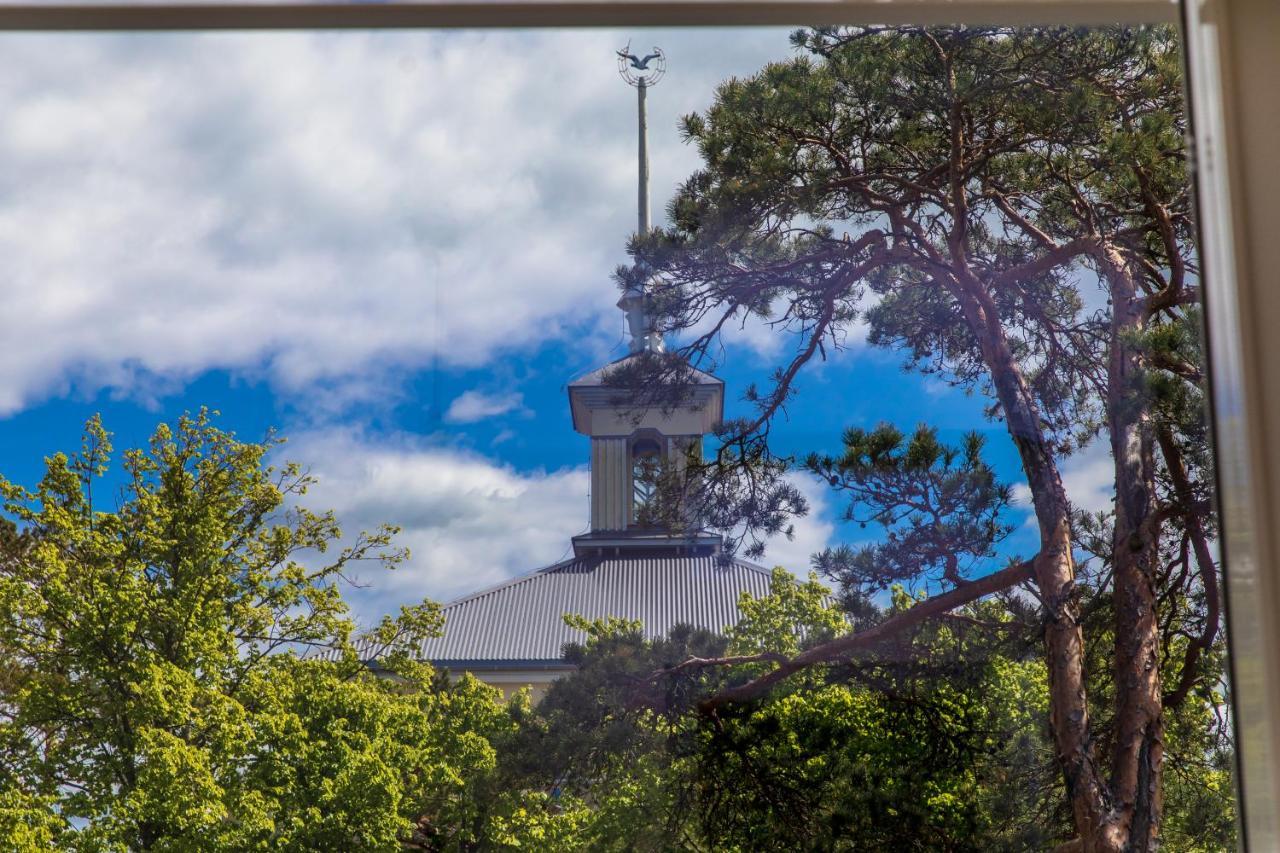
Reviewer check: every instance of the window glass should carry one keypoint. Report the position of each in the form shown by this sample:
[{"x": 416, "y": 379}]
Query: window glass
[
  {"x": 932, "y": 561},
  {"x": 646, "y": 459}
]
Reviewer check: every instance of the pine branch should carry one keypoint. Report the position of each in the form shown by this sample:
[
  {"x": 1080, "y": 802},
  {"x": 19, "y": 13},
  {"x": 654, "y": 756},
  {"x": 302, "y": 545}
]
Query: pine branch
[{"x": 842, "y": 646}]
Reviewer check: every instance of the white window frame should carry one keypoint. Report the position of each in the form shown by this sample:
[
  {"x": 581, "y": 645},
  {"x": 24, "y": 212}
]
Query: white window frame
[{"x": 1233, "y": 58}]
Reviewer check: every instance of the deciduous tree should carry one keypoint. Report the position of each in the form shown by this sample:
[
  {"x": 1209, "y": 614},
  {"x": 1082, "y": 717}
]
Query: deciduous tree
[{"x": 161, "y": 690}]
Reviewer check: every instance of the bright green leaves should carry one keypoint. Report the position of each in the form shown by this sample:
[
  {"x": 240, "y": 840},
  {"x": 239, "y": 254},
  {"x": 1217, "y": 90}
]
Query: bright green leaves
[
  {"x": 601, "y": 632},
  {"x": 175, "y": 792},
  {"x": 793, "y": 615},
  {"x": 353, "y": 763},
  {"x": 152, "y": 693}
]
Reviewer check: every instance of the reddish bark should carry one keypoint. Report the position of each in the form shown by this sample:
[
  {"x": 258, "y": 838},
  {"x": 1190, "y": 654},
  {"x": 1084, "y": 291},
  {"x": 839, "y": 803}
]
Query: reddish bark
[
  {"x": 1122, "y": 811},
  {"x": 1054, "y": 570},
  {"x": 1138, "y": 750},
  {"x": 1054, "y": 565},
  {"x": 841, "y": 647},
  {"x": 1199, "y": 540}
]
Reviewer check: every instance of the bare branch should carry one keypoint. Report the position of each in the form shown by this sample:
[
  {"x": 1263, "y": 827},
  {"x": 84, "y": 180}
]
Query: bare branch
[
  {"x": 1204, "y": 562},
  {"x": 1050, "y": 260}
]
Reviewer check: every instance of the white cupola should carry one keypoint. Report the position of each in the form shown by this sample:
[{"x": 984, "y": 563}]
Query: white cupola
[{"x": 631, "y": 439}]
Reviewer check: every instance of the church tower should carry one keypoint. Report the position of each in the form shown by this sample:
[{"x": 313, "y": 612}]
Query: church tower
[
  {"x": 632, "y": 439},
  {"x": 513, "y": 635}
]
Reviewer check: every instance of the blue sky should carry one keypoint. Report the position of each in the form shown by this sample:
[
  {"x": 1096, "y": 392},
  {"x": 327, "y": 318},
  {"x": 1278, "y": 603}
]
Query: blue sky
[{"x": 393, "y": 247}]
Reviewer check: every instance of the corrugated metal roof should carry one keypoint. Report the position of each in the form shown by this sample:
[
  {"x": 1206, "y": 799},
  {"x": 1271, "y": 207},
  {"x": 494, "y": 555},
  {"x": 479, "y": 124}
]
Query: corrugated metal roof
[{"x": 522, "y": 619}]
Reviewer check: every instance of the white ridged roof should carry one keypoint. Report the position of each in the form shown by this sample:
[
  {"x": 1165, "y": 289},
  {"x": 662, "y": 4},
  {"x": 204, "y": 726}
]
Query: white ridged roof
[{"x": 522, "y": 619}]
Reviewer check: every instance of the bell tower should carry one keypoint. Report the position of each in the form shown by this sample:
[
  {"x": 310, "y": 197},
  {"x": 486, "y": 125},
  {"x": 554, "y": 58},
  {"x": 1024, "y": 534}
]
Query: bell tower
[{"x": 630, "y": 439}]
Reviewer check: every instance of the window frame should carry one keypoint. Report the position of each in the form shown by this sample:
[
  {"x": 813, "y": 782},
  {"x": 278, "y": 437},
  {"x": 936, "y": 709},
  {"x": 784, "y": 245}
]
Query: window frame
[{"x": 1231, "y": 61}]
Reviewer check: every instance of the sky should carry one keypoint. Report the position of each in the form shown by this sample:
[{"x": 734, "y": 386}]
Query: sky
[{"x": 395, "y": 248}]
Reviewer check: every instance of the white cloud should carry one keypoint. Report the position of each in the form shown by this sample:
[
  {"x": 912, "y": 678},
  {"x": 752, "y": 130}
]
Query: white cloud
[
  {"x": 472, "y": 406},
  {"x": 470, "y": 521},
  {"x": 812, "y": 533},
  {"x": 1088, "y": 478},
  {"x": 316, "y": 208}
]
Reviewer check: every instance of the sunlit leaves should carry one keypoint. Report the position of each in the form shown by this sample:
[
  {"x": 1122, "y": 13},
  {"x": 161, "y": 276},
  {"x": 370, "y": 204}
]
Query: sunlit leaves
[{"x": 162, "y": 689}]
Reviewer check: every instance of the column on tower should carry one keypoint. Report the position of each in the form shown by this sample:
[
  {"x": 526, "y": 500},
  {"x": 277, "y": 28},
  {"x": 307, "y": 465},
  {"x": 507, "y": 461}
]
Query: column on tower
[{"x": 610, "y": 486}]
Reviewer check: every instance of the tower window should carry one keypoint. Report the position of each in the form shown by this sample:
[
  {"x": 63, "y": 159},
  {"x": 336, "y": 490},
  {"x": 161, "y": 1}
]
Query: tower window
[{"x": 646, "y": 458}]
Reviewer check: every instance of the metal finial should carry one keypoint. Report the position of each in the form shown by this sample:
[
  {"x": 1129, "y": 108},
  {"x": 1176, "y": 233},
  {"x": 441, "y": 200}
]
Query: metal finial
[{"x": 642, "y": 71}]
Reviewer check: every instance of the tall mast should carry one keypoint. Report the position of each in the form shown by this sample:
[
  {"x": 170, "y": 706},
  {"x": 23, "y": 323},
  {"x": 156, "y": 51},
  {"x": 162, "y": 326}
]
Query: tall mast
[
  {"x": 642, "y": 72},
  {"x": 643, "y": 125}
]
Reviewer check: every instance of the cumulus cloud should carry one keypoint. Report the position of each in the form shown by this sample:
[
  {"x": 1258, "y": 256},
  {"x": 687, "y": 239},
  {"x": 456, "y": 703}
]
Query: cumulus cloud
[
  {"x": 811, "y": 533},
  {"x": 471, "y": 406},
  {"x": 1088, "y": 478},
  {"x": 468, "y": 520},
  {"x": 316, "y": 208}
]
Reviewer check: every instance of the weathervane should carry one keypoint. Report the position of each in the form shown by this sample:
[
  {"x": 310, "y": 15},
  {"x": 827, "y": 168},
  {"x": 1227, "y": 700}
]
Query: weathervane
[
  {"x": 629, "y": 64},
  {"x": 642, "y": 73}
]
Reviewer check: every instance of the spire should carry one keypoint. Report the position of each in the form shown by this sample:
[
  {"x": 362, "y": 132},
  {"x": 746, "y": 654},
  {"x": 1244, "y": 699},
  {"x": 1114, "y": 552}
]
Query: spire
[{"x": 641, "y": 73}]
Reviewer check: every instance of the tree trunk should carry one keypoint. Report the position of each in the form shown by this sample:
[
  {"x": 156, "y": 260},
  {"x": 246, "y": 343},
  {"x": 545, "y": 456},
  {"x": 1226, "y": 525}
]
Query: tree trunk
[
  {"x": 1138, "y": 751},
  {"x": 1055, "y": 576}
]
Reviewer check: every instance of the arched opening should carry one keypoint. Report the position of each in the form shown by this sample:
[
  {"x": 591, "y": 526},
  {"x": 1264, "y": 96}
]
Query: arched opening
[{"x": 646, "y": 461}]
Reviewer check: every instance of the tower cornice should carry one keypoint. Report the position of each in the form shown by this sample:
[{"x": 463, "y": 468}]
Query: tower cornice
[{"x": 600, "y": 407}]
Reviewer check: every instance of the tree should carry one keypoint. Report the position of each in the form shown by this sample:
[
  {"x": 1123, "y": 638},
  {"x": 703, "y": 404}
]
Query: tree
[
  {"x": 967, "y": 193},
  {"x": 940, "y": 745},
  {"x": 157, "y": 691},
  {"x": 941, "y": 507},
  {"x": 936, "y": 741}
]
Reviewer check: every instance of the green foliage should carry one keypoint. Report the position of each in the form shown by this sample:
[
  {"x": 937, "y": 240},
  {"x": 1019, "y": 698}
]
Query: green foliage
[
  {"x": 793, "y": 615},
  {"x": 940, "y": 507},
  {"x": 875, "y": 754},
  {"x": 1008, "y": 209},
  {"x": 28, "y": 821},
  {"x": 937, "y": 742},
  {"x": 596, "y": 748},
  {"x": 156, "y": 698},
  {"x": 1200, "y": 795},
  {"x": 154, "y": 695},
  {"x": 841, "y": 768},
  {"x": 824, "y": 201}
]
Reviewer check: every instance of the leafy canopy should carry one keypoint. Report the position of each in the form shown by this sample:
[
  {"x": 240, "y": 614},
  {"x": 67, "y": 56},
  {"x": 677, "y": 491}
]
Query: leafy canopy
[{"x": 155, "y": 693}]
